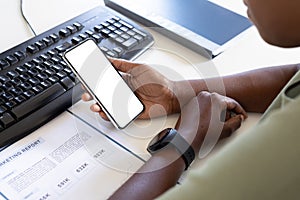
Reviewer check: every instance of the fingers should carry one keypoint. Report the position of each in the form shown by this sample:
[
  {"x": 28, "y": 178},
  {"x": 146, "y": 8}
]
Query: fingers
[
  {"x": 232, "y": 125},
  {"x": 234, "y": 106},
  {"x": 123, "y": 65},
  {"x": 86, "y": 97},
  {"x": 97, "y": 108}
]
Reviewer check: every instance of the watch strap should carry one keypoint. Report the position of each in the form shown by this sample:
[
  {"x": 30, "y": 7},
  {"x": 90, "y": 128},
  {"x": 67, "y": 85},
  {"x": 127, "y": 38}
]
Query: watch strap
[
  {"x": 172, "y": 137},
  {"x": 184, "y": 148}
]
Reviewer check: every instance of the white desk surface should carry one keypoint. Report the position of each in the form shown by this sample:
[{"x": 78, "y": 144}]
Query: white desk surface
[{"x": 249, "y": 53}]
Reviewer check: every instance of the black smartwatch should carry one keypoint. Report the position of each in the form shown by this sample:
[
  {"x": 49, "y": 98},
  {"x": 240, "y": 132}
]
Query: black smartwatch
[{"x": 168, "y": 137}]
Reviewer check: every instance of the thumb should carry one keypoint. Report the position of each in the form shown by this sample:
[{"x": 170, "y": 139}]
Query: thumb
[{"x": 123, "y": 65}]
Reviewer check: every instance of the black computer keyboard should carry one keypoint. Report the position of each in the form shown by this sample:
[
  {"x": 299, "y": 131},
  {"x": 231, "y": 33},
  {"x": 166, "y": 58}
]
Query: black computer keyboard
[{"x": 36, "y": 85}]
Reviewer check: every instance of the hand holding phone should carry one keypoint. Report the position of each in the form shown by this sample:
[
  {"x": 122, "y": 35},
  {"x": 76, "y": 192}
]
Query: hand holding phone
[{"x": 104, "y": 83}]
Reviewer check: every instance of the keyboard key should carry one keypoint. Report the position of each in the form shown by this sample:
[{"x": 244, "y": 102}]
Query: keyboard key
[
  {"x": 16, "y": 91},
  {"x": 48, "y": 41},
  {"x": 126, "y": 24},
  {"x": 112, "y": 28},
  {"x": 42, "y": 76},
  {"x": 37, "y": 89},
  {"x": 125, "y": 36},
  {"x": 37, "y": 61},
  {"x": 57, "y": 68},
  {"x": 20, "y": 55},
  {"x": 118, "y": 25},
  {"x": 63, "y": 47},
  {"x": 76, "y": 40},
  {"x": 11, "y": 59},
  {"x": 20, "y": 99},
  {"x": 54, "y": 37},
  {"x": 7, "y": 86},
  {"x": 97, "y": 38},
  {"x": 10, "y": 104},
  {"x": 41, "y": 45},
  {"x": 53, "y": 79},
  {"x": 72, "y": 29},
  {"x": 6, "y": 120},
  {"x": 67, "y": 83},
  {"x": 48, "y": 64},
  {"x": 105, "y": 32},
  {"x": 28, "y": 94},
  {"x": 118, "y": 50},
  {"x": 125, "y": 29},
  {"x": 104, "y": 49},
  {"x": 4, "y": 64},
  {"x": 63, "y": 64},
  {"x": 25, "y": 86},
  {"x": 67, "y": 70},
  {"x": 40, "y": 68},
  {"x": 83, "y": 36},
  {"x": 111, "y": 54},
  {"x": 32, "y": 72},
  {"x": 131, "y": 32},
  {"x": 12, "y": 74},
  {"x": 52, "y": 52},
  {"x": 24, "y": 77},
  {"x": 29, "y": 65},
  {"x": 32, "y": 49},
  {"x": 44, "y": 57},
  {"x": 46, "y": 84},
  {"x": 78, "y": 26},
  {"x": 130, "y": 43},
  {"x": 34, "y": 81},
  {"x": 140, "y": 32},
  {"x": 16, "y": 82},
  {"x": 111, "y": 21},
  {"x": 4, "y": 78},
  {"x": 98, "y": 28},
  {"x": 21, "y": 69},
  {"x": 55, "y": 59},
  {"x": 3, "y": 109},
  {"x": 50, "y": 72},
  {"x": 38, "y": 101},
  {"x": 64, "y": 32},
  {"x": 120, "y": 40},
  {"x": 138, "y": 38},
  {"x": 105, "y": 24},
  {"x": 89, "y": 32},
  {"x": 7, "y": 96},
  {"x": 61, "y": 74}
]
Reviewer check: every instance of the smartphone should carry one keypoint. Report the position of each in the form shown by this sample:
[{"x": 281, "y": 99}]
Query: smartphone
[{"x": 104, "y": 83}]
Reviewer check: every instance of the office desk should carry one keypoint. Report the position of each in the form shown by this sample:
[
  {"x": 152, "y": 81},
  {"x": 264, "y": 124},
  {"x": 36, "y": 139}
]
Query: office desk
[{"x": 77, "y": 175}]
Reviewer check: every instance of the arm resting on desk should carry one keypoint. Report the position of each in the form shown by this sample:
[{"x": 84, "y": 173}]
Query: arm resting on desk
[{"x": 254, "y": 89}]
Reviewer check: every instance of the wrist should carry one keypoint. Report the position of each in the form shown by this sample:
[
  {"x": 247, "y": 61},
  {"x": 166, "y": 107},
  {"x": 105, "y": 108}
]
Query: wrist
[
  {"x": 170, "y": 138},
  {"x": 169, "y": 156},
  {"x": 183, "y": 92}
]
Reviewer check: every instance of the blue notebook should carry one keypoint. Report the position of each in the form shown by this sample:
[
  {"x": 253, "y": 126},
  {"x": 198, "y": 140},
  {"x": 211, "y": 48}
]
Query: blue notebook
[{"x": 198, "y": 24}]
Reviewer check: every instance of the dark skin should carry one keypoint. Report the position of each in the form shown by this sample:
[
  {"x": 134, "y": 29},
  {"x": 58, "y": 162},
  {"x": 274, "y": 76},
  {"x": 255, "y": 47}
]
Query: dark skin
[
  {"x": 278, "y": 24},
  {"x": 164, "y": 168},
  {"x": 262, "y": 86}
]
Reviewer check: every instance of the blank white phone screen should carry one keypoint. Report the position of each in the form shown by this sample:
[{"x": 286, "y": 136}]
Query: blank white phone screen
[{"x": 105, "y": 83}]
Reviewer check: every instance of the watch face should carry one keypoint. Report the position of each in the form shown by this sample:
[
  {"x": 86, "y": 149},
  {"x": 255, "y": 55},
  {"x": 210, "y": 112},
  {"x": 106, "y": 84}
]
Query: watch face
[{"x": 158, "y": 141}]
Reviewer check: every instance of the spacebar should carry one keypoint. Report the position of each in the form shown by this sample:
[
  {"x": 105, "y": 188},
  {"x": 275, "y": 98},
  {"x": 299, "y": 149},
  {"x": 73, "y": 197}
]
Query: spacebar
[{"x": 38, "y": 101}]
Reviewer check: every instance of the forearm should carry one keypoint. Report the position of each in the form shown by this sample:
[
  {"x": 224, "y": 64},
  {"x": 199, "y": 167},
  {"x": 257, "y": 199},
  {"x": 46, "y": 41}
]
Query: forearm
[
  {"x": 157, "y": 175},
  {"x": 254, "y": 90}
]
